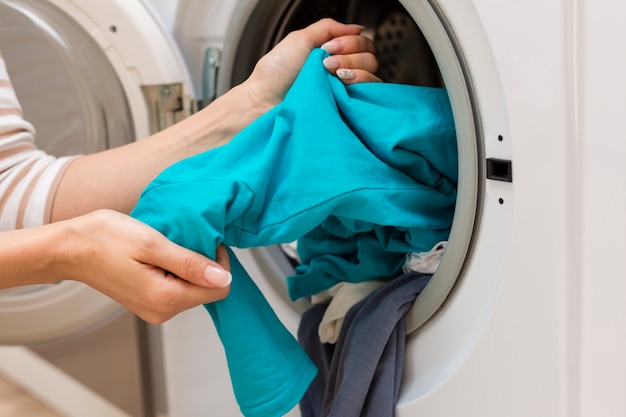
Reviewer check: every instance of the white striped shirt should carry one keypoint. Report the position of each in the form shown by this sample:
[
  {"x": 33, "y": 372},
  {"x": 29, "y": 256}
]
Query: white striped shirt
[{"x": 28, "y": 176}]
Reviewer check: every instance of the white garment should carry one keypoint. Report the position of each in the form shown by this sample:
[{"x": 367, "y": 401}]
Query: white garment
[
  {"x": 341, "y": 298},
  {"x": 291, "y": 250},
  {"x": 28, "y": 176},
  {"x": 425, "y": 262}
]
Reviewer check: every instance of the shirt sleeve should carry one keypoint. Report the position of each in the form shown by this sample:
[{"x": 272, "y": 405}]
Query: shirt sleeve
[{"x": 28, "y": 176}]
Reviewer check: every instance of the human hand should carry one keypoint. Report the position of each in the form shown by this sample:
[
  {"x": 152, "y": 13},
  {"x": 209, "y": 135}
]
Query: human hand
[
  {"x": 352, "y": 60},
  {"x": 140, "y": 268}
]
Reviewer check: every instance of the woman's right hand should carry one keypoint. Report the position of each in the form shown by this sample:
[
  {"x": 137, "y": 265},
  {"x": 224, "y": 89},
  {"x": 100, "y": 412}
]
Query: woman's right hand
[{"x": 139, "y": 267}]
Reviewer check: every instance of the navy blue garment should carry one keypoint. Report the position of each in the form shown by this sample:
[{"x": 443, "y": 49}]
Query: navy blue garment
[
  {"x": 360, "y": 376},
  {"x": 360, "y": 175}
]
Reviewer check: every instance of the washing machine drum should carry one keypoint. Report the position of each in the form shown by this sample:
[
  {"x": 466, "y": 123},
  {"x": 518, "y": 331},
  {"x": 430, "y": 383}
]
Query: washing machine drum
[{"x": 404, "y": 55}]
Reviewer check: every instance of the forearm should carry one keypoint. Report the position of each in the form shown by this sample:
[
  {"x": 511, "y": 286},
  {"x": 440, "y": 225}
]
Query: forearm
[
  {"x": 114, "y": 178},
  {"x": 31, "y": 255}
]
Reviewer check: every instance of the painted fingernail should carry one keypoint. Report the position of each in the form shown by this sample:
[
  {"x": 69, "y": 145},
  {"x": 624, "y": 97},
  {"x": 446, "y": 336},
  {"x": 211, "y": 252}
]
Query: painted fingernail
[
  {"x": 217, "y": 276},
  {"x": 346, "y": 74},
  {"x": 331, "y": 63},
  {"x": 331, "y": 46}
]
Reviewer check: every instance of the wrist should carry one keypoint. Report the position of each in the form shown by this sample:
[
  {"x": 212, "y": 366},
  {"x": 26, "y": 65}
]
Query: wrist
[
  {"x": 66, "y": 249},
  {"x": 76, "y": 244},
  {"x": 234, "y": 111},
  {"x": 36, "y": 255}
]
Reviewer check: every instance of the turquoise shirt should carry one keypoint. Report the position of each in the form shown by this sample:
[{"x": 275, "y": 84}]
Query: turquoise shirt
[{"x": 359, "y": 175}]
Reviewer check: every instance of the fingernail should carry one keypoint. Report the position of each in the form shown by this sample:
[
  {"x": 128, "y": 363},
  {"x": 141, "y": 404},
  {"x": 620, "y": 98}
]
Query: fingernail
[
  {"x": 331, "y": 46},
  {"x": 331, "y": 63},
  {"x": 217, "y": 276},
  {"x": 346, "y": 74}
]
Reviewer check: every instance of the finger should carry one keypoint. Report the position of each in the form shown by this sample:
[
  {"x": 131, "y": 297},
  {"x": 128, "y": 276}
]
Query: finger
[
  {"x": 326, "y": 29},
  {"x": 169, "y": 295},
  {"x": 353, "y": 76},
  {"x": 344, "y": 45},
  {"x": 363, "y": 61},
  {"x": 191, "y": 295},
  {"x": 188, "y": 265}
]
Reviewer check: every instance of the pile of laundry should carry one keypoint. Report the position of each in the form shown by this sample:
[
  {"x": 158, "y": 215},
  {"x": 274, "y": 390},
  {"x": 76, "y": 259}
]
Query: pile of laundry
[
  {"x": 355, "y": 334},
  {"x": 362, "y": 176}
]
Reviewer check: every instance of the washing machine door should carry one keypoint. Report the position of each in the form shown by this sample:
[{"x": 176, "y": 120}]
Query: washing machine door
[{"x": 89, "y": 76}]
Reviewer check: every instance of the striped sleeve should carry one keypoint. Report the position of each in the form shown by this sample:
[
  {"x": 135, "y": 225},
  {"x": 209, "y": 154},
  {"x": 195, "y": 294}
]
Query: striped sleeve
[{"x": 28, "y": 176}]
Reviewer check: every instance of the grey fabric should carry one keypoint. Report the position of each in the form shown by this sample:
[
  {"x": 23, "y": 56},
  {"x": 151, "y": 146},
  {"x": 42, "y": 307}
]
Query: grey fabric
[{"x": 360, "y": 375}]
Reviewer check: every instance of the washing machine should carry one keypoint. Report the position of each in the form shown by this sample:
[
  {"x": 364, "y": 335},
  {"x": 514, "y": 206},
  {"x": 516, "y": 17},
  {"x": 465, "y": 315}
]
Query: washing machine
[{"x": 524, "y": 316}]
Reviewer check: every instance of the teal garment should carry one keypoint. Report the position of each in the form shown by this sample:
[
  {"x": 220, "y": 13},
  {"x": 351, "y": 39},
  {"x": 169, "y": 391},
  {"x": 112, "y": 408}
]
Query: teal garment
[{"x": 360, "y": 175}]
